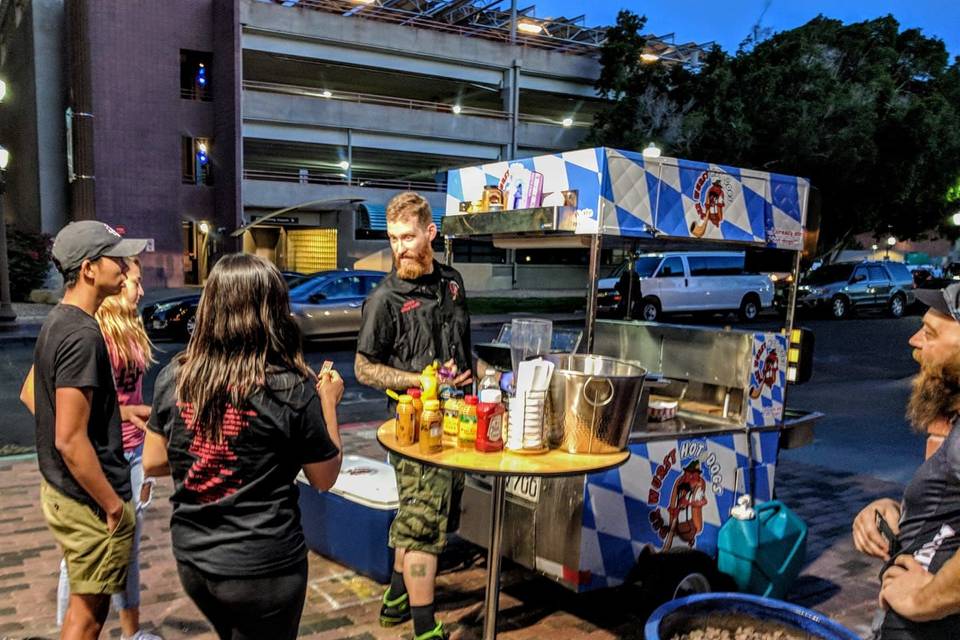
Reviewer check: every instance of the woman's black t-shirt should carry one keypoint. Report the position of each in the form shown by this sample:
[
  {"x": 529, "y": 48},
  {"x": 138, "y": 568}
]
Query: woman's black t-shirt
[{"x": 235, "y": 510}]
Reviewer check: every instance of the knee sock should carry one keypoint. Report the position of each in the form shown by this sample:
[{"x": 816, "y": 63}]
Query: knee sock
[
  {"x": 397, "y": 587},
  {"x": 423, "y": 620}
]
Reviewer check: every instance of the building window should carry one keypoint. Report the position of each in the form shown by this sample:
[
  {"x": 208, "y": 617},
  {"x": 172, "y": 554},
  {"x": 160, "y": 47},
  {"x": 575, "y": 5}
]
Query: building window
[
  {"x": 195, "y": 161},
  {"x": 195, "y": 69}
]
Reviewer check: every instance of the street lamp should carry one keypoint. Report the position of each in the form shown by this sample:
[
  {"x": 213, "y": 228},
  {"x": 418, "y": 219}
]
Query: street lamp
[
  {"x": 651, "y": 151},
  {"x": 7, "y": 315},
  {"x": 956, "y": 219},
  {"x": 890, "y": 242}
]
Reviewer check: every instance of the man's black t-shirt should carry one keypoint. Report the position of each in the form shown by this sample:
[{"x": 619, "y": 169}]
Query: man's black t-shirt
[
  {"x": 407, "y": 324},
  {"x": 70, "y": 352},
  {"x": 235, "y": 510},
  {"x": 930, "y": 530}
]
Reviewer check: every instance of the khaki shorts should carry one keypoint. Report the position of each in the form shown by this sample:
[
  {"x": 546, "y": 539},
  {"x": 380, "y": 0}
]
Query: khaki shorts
[
  {"x": 96, "y": 558},
  {"x": 429, "y": 506}
]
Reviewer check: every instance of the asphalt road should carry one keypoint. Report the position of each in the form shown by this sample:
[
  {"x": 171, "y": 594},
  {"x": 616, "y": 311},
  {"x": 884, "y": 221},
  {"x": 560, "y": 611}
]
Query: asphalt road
[{"x": 861, "y": 381}]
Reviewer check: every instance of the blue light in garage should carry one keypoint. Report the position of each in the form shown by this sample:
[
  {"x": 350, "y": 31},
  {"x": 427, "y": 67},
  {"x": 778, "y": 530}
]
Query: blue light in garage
[{"x": 201, "y": 76}]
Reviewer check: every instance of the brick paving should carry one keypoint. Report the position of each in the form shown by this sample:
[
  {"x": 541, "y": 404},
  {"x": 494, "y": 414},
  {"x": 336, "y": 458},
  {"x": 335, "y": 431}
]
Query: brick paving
[{"x": 343, "y": 605}]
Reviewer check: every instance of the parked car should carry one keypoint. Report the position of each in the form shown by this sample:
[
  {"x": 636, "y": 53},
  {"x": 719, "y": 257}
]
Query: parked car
[
  {"x": 175, "y": 318},
  {"x": 688, "y": 282},
  {"x": 843, "y": 288},
  {"x": 327, "y": 304}
]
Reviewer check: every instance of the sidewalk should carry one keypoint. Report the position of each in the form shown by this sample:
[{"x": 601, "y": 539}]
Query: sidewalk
[{"x": 343, "y": 605}]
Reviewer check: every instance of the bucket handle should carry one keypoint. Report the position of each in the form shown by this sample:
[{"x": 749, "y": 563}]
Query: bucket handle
[{"x": 593, "y": 402}]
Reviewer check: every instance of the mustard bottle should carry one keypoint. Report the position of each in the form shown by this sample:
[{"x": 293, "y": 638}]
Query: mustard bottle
[
  {"x": 406, "y": 421},
  {"x": 431, "y": 431}
]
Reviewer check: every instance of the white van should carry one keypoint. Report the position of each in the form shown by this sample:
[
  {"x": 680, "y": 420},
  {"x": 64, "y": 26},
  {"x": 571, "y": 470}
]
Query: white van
[{"x": 687, "y": 282}]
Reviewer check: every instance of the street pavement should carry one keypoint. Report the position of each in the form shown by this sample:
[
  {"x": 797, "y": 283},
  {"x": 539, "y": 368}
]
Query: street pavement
[{"x": 863, "y": 450}]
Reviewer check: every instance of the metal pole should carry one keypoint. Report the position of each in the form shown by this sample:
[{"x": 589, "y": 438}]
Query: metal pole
[
  {"x": 492, "y": 598},
  {"x": 513, "y": 22},
  {"x": 514, "y": 107},
  {"x": 448, "y": 250},
  {"x": 593, "y": 277},
  {"x": 7, "y": 316},
  {"x": 791, "y": 313},
  {"x": 630, "y": 268},
  {"x": 349, "y": 156}
]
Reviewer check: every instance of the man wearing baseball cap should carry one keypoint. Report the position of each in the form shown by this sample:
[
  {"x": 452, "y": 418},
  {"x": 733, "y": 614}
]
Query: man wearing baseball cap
[
  {"x": 920, "y": 590},
  {"x": 85, "y": 491}
]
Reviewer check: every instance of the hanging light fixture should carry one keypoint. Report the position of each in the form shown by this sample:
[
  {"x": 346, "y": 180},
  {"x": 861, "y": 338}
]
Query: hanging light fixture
[{"x": 651, "y": 151}]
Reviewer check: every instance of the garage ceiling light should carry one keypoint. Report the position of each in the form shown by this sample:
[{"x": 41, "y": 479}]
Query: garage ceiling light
[
  {"x": 343, "y": 164},
  {"x": 568, "y": 122},
  {"x": 530, "y": 27}
]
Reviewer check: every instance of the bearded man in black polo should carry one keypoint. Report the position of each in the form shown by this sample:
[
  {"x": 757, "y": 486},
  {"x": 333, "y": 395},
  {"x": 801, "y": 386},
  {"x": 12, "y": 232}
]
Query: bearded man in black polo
[{"x": 417, "y": 315}]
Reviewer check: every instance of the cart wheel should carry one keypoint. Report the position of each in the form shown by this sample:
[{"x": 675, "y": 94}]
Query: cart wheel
[
  {"x": 691, "y": 584},
  {"x": 676, "y": 574}
]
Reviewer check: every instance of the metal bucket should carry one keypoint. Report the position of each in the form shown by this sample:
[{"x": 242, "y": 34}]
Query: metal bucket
[{"x": 593, "y": 402}]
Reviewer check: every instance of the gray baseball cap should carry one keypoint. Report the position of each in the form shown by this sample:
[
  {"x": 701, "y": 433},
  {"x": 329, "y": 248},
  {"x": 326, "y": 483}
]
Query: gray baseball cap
[
  {"x": 89, "y": 240},
  {"x": 945, "y": 300}
]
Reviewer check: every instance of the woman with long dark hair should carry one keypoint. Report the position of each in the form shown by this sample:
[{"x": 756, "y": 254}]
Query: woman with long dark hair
[{"x": 235, "y": 417}]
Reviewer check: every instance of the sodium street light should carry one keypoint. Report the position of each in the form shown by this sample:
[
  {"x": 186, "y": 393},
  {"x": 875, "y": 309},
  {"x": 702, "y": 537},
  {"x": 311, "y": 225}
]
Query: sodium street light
[
  {"x": 651, "y": 151},
  {"x": 649, "y": 57}
]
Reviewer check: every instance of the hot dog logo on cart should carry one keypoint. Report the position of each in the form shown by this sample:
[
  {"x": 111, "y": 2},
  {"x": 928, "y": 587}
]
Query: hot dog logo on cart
[
  {"x": 710, "y": 196},
  {"x": 700, "y": 478},
  {"x": 767, "y": 359}
]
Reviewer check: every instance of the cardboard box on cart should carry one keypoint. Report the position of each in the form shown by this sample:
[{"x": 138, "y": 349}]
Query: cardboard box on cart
[{"x": 350, "y": 523}]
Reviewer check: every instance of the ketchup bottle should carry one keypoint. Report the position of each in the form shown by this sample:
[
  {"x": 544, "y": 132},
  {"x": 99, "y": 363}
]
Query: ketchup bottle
[{"x": 490, "y": 421}]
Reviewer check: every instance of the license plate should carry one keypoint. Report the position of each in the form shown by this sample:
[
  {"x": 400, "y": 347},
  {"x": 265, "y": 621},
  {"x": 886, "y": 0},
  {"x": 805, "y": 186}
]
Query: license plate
[{"x": 525, "y": 488}]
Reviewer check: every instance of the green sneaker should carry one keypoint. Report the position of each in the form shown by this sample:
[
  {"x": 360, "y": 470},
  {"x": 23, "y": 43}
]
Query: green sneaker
[
  {"x": 396, "y": 611},
  {"x": 437, "y": 633}
]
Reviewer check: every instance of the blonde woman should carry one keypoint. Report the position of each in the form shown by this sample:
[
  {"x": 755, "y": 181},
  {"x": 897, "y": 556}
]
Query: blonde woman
[{"x": 130, "y": 355}]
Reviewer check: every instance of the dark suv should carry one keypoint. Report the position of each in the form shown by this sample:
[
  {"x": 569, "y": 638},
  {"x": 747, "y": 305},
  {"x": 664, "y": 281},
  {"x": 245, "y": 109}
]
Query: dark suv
[{"x": 843, "y": 288}]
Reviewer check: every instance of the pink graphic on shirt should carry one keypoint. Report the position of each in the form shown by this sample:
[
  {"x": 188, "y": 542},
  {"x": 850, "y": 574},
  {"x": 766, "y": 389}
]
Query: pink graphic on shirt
[
  {"x": 211, "y": 476},
  {"x": 128, "y": 380}
]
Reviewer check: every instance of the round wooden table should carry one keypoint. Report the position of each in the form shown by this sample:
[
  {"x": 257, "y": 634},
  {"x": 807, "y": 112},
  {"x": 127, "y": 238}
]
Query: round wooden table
[{"x": 501, "y": 465}]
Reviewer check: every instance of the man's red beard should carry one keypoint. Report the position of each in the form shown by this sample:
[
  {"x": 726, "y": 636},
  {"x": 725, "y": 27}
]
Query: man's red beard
[
  {"x": 413, "y": 265},
  {"x": 935, "y": 394}
]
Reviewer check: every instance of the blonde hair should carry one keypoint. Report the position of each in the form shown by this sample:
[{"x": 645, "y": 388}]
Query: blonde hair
[
  {"x": 409, "y": 203},
  {"x": 123, "y": 331}
]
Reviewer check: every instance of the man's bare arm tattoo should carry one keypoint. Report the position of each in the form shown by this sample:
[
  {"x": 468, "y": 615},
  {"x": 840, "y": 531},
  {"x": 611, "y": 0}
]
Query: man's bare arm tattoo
[{"x": 380, "y": 376}]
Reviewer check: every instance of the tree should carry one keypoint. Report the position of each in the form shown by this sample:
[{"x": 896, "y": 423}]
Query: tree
[{"x": 866, "y": 111}]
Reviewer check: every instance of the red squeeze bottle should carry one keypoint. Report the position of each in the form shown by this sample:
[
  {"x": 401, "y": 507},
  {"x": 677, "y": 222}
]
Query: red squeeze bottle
[{"x": 489, "y": 422}]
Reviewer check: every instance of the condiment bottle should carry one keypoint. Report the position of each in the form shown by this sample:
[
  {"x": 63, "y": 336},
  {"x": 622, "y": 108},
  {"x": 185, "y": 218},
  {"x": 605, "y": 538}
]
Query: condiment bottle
[
  {"x": 406, "y": 421},
  {"x": 467, "y": 433},
  {"x": 451, "y": 417},
  {"x": 431, "y": 432},
  {"x": 490, "y": 421},
  {"x": 414, "y": 393},
  {"x": 428, "y": 382}
]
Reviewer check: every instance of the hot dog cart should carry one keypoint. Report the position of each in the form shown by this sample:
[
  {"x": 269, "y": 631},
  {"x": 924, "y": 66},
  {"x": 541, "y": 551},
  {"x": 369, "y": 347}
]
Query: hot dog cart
[{"x": 685, "y": 473}]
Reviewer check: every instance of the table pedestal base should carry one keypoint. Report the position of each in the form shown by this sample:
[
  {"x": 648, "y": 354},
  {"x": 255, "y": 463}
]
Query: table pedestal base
[{"x": 492, "y": 597}]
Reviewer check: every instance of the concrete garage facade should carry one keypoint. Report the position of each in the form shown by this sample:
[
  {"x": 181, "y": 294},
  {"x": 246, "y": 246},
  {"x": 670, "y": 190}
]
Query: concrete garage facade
[{"x": 185, "y": 121}]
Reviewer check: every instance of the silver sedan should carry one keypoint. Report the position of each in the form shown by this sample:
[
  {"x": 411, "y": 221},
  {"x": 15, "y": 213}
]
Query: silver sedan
[{"x": 327, "y": 304}]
